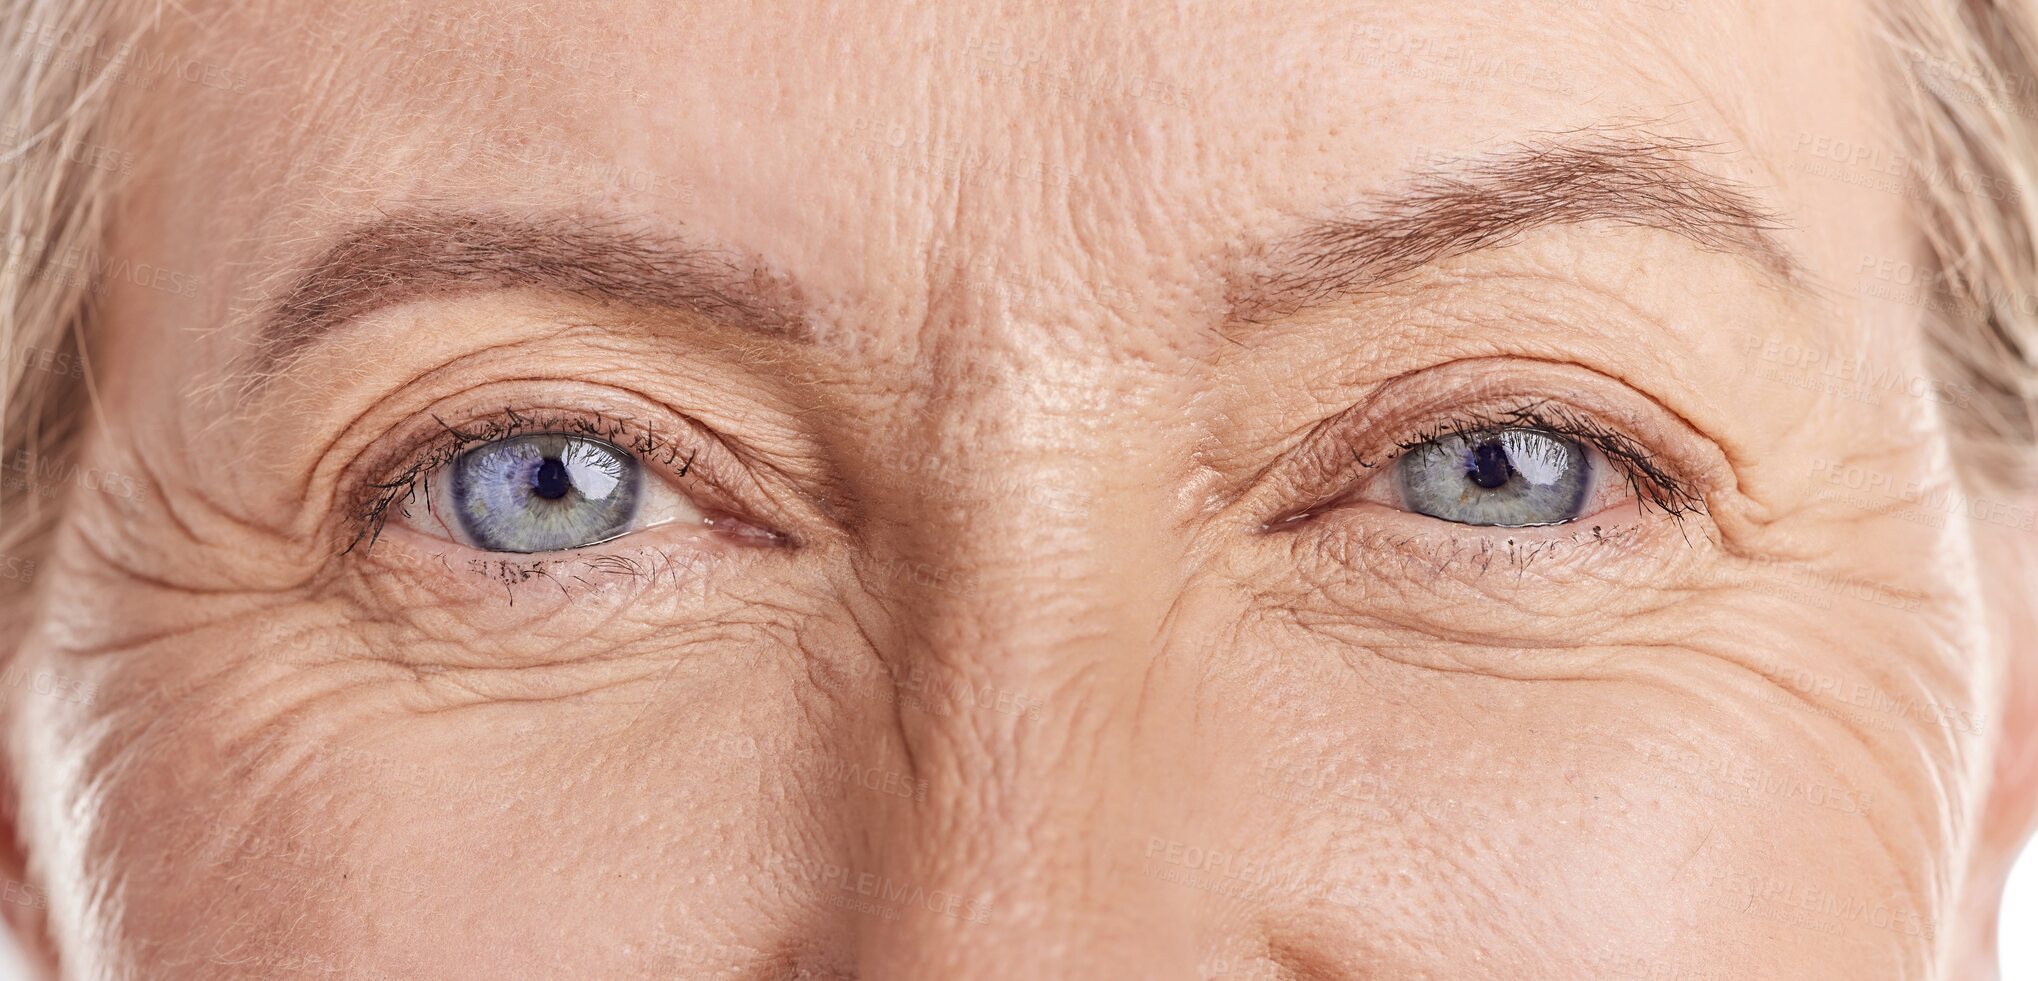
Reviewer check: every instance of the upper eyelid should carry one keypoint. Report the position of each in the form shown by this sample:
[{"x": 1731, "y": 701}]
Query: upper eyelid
[
  {"x": 1624, "y": 452},
  {"x": 1350, "y": 447},
  {"x": 1670, "y": 494}
]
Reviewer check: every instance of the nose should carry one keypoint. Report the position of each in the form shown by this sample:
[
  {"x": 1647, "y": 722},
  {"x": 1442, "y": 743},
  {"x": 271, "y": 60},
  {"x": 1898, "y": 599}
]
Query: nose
[{"x": 1042, "y": 755}]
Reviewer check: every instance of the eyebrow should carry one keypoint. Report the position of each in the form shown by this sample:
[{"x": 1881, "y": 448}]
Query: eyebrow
[
  {"x": 1456, "y": 207},
  {"x": 1446, "y": 210},
  {"x": 421, "y": 254}
]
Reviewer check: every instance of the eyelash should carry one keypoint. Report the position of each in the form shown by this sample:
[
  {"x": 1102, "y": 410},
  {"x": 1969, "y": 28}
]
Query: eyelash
[
  {"x": 1650, "y": 482},
  {"x": 372, "y": 514}
]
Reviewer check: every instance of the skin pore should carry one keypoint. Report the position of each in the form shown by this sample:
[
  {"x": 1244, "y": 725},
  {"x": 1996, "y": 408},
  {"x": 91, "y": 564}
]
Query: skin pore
[{"x": 1029, "y": 384}]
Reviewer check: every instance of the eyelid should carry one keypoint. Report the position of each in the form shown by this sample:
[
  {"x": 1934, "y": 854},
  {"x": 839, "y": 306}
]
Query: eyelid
[
  {"x": 669, "y": 452},
  {"x": 1347, "y": 450}
]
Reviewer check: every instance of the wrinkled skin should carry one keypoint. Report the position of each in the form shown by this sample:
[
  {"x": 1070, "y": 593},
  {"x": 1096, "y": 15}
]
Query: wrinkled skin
[{"x": 1027, "y": 686}]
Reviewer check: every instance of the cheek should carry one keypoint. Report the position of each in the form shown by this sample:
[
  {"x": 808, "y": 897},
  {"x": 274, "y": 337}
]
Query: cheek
[
  {"x": 396, "y": 846},
  {"x": 187, "y": 853},
  {"x": 1408, "y": 780},
  {"x": 258, "y": 797}
]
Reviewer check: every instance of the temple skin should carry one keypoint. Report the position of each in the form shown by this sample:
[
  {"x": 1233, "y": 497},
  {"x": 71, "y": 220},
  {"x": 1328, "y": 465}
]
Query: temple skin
[{"x": 1038, "y": 367}]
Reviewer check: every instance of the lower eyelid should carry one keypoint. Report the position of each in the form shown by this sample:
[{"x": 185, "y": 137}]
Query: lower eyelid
[
  {"x": 1434, "y": 554},
  {"x": 1611, "y": 504},
  {"x": 410, "y": 570}
]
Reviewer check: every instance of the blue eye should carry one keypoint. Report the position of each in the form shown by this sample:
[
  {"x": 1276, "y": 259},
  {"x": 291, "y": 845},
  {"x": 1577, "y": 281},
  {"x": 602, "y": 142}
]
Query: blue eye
[
  {"x": 544, "y": 492},
  {"x": 1507, "y": 477}
]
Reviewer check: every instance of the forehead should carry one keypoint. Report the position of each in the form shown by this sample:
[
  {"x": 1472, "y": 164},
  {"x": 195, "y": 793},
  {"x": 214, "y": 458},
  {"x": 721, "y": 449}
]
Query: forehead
[{"x": 884, "y": 156}]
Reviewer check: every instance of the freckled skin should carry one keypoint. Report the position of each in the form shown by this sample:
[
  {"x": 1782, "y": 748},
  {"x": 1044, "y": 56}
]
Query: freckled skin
[{"x": 1029, "y": 688}]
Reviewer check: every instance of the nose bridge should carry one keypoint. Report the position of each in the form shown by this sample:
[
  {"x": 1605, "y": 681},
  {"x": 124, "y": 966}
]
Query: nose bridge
[
  {"x": 1031, "y": 610},
  {"x": 1022, "y": 660},
  {"x": 1015, "y": 555},
  {"x": 1019, "y": 653}
]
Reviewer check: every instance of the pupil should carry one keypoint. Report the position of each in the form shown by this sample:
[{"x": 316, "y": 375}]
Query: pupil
[
  {"x": 1488, "y": 466},
  {"x": 551, "y": 481}
]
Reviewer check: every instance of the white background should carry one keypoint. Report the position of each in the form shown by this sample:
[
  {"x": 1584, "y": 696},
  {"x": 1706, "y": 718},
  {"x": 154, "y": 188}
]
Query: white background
[{"x": 2019, "y": 927}]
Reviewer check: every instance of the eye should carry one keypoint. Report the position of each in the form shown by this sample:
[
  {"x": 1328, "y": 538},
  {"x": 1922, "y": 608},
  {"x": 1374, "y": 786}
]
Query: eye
[
  {"x": 543, "y": 492},
  {"x": 1509, "y": 477}
]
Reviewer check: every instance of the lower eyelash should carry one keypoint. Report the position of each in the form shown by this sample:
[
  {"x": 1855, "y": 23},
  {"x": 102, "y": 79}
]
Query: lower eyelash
[
  {"x": 511, "y": 573},
  {"x": 645, "y": 444},
  {"x": 1436, "y": 555}
]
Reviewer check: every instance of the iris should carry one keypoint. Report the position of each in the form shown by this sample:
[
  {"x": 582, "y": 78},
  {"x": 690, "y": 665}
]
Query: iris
[{"x": 545, "y": 492}]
